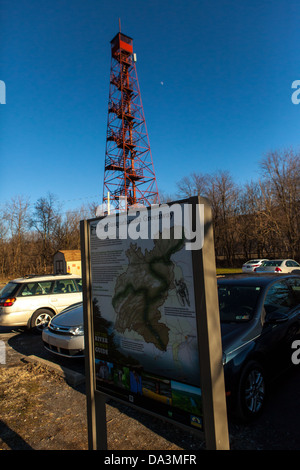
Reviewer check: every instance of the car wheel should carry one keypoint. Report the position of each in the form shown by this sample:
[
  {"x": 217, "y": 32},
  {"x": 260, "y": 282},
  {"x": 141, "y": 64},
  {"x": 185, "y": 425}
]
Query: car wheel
[
  {"x": 251, "y": 392},
  {"x": 40, "y": 319}
]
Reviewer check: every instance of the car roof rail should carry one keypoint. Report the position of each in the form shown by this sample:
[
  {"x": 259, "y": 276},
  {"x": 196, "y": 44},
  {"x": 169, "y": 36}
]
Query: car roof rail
[{"x": 29, "y": 276}]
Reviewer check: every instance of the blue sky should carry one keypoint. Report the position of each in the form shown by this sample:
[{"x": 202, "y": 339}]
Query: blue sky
[{"x": 215, "y": 80}]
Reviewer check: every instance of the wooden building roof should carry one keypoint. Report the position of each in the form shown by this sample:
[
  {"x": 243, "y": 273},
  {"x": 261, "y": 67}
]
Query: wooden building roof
[{"x": 71, "y": 255}]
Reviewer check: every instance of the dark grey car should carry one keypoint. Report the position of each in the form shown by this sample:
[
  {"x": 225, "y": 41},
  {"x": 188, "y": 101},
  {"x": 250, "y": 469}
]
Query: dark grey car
[{"x": 260, "y": 316}]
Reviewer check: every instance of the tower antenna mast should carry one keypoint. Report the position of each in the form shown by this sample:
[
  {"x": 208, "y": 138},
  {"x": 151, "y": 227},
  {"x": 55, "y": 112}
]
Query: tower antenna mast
[{"x": 129, "y": 176}]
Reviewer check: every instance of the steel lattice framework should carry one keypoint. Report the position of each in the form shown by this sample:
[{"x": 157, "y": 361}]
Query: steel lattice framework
[{"x": 129, "y": 172}]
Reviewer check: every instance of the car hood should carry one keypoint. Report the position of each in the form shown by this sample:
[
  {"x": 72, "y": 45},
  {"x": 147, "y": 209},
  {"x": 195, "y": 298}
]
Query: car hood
[{"x": 69, "y": 317}]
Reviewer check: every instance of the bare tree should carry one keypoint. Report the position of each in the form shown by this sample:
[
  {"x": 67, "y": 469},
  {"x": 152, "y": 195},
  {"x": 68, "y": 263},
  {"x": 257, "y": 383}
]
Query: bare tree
[
  {"x": 16, "y": 214},
  {"x": 196, "y": 184},
  {"x": 3, "y": 247},
  {"x": 280, "y": 187},
  {"x": 223, "y": 195},
  {"x": 167, "y": 197},
  {"x": 251, "y": 229},
  {"x": 45, "y": 219}
]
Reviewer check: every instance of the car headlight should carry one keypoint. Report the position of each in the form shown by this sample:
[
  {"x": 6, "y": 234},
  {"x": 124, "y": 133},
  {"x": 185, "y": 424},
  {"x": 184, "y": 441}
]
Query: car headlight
[{"x": 77, "y": 330}]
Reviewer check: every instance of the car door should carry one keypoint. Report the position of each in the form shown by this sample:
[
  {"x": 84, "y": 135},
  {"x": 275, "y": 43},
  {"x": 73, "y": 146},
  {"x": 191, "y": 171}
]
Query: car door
[
  {"x": 292, "y": 265},
  {"x": 288, "y": 266},
  {"x": 65, "y": 293},
  {"x": 281, "y": 318},
  {"x": 32, "y": 296},
  {"x": 294, "y": 286}
]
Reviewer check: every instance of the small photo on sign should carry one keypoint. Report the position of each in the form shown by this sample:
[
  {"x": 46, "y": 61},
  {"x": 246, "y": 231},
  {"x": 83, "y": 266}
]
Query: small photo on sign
[{"x": 187, "y": 398}]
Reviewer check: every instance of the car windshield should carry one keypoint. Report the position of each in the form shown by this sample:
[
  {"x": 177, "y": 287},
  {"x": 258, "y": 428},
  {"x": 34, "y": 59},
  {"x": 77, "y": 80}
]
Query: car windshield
[
  {"x": 9, "y": 289},
  {"x": 237, "y": 303}
]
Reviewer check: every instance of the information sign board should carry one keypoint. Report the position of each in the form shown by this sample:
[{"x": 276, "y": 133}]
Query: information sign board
[{"x": 145, "y": 297}]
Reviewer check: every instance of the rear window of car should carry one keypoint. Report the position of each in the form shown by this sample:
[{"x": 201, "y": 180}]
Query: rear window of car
[
  {"x": 237, "y": 303},
  {"x": 10, "y": 289},
  {"x": 292, "y": 264}
]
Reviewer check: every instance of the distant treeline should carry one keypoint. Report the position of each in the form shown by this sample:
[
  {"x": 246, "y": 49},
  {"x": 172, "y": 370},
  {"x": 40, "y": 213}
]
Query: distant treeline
[
  {"x": 259, "y": 219},
  {"x": 30, "y": 234}
]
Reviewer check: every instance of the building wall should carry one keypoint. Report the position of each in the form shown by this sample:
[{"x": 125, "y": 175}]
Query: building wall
[
  {"x": 74, "y": 267},
  {"x": 63, "y": 266}
]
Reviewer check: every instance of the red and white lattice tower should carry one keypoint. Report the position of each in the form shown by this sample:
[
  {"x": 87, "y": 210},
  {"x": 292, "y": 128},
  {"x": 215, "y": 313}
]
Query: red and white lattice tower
[{"x": 129, "y": 172}]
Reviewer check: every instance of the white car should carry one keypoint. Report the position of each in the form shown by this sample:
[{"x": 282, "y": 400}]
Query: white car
[
  {"x": 251, "y": 265},
  {"x": 279, "y": 266},
  {"x": 64, "y": 335},
  {"x": 33, "y": 300}
]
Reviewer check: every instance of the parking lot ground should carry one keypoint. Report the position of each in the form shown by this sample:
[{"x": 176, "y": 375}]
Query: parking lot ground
[
  {"x": 42, "y": 410},
  {"x": 72, "y": 377}
]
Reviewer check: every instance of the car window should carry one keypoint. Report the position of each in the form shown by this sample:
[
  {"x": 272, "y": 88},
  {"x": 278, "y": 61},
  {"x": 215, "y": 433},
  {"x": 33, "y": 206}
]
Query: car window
[
  {"x": 279, "y": 297},
  {"x": 273, "y": 263},
  {"x": 36, "y": 288},
  {"x": 64, "y": 286},
  {"x": 237, "y": 303},
  {"x": 79, "y": 284},
  {"x": 294, "y": 285},
  {"x": 9, "y": 289}
]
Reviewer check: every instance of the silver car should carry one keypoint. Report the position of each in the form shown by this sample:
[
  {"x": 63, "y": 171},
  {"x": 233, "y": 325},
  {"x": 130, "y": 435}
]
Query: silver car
[
  {"x": 33, "y": 300},
  {"x": 279, "y": 266},
  {"x": 251, "y": 265},
  {"x": 64, "y": 334}
]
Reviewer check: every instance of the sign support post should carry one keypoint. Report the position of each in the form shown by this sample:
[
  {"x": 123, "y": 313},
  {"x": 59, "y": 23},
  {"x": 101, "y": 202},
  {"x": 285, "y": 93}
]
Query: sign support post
[
  {"x": 210, "y": 346},
  {"x": 96, "y": 411}
]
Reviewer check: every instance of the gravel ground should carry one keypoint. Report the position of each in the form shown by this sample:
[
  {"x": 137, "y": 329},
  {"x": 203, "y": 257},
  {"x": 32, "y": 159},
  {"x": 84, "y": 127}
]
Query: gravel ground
[{"x": 40, "y": 410}]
